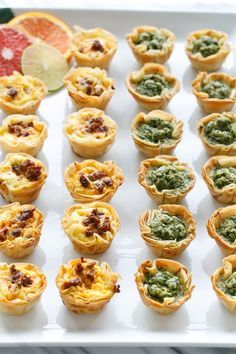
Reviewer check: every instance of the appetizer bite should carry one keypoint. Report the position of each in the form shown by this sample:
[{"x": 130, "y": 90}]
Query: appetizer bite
[
  {"x": 224, "y": 283},
  {"x": 152, "y": 86},
  {"x": 20, "y": 229},
  {"x": 166, "y": 179},
  {"x": 90, "y": 132},
  {"x": 21, "y": 94},
  {"x": 150, "y": 44},
  {"x": 22, "y": 285},
  {"x": 215, "y": 92},
  {"x": 85, "y": 286},
  {"x": 222, "y": 228},
  {"x": 219, "y": 173},
  {"x": 167, "y": 230},
  {"x": 90, "y": 180},
  {"x": 91, "y": 227},
  {"x": 164, "y": 285},
  {"x": 207, "y": 49},
  {"x": 218, "y": 133},
  {"x": 22, "y": 133},
  {"x": 93, "y": 47},
  {"x": 21, "y": 178},
  {"x": 88, "y": 87},
  {"x": 156, "y": 133}
]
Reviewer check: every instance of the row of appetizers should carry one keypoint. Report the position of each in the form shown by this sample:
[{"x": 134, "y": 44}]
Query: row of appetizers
[
  {"x": 86, "y": 287},
  {"x": 91, "y": 227}
]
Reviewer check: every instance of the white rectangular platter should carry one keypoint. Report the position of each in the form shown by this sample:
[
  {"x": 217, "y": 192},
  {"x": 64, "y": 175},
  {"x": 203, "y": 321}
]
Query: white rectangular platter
[{"x": 202, "y": 321}]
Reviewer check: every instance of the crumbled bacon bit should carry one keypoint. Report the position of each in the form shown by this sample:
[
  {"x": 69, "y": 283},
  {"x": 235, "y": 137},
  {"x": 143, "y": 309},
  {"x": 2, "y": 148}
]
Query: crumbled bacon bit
[
  {"x": 16, "y": 232},
  {"x": 33, "y": 173},
  {"x": 108, "y": 181},
  {"x": 98, "y": 90},
  {"x": 20, "y": 128},
  {"x": 26, "y": 214},
  {"x": 97, "y": 175},
  {"x": 117, "y": 288},
  {"x": 96, "y": 125},
  {"x": 99, "y": 186},
  {"x": 84, "y": 181},
  {"x": 3, "y": 233},
  {"x": 97, "y": 46},
  {"x": 95, "y": 223},
  {"x": 19, "y": 278},
  {"x": 28, "y": 169},
  {"x": 73, "y": 282},
  {"x": 11, "y": 91},
  {"x": 88, "y": 90}
]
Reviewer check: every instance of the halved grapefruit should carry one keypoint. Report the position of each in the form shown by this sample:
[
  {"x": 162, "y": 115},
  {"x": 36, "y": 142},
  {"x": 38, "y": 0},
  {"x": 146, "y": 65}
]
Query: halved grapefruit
[
  {"x": 13, "y": 41},
  {"x": 47, "y": 27}
]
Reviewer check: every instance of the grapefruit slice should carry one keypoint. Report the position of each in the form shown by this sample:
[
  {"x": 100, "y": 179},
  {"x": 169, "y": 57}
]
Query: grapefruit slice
[
  {"x": 48, "y": 28},
  {"x": 13, "y": 41},
  {"x": 46, "y": 63}
]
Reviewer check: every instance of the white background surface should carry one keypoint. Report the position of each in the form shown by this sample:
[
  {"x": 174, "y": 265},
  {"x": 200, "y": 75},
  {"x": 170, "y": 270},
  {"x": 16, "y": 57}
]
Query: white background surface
[{"x": 202, "y": 257}]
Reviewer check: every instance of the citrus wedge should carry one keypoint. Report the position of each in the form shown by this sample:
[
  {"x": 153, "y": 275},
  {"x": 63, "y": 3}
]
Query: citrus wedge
[
  {"x": 13, "y": 41},
  {"x": 46, "y": 63},
  {"x": 48, "y": 28}
]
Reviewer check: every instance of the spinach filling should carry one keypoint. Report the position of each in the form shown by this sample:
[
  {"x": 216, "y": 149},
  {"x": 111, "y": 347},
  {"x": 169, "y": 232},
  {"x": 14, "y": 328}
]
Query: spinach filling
[
  {"x": 167, "y": 177},
  {"x": 216, "y": 89},
  {"x": 229, "y": 285},
  {"x": 152, "y": 40},
  {"x": 155, "y": 131},
  {"x": 165, "y": 226},
  {"x": 221, "y": 131},
  {"x": 223, "y": 176},
  {"x": 227, "y": 229},
  {"x": 205, "y": 45},
  {"x": 163, "y": 284},
  {"x": 151, "y": 85}
]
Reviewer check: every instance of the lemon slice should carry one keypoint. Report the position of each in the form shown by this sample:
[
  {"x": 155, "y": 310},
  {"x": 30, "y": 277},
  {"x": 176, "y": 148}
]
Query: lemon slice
[{"x": 46, "y": 63}]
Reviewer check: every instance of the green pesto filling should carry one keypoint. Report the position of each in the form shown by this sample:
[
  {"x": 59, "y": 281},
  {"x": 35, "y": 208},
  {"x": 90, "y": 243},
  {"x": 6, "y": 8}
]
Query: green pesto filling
[
  {"x": 227, "y": 229},
  {"x": 216, "y": 89},
  {"x": 164, "y": 284},
  {"x": 165, "y": 226},
  {"x": 151, "y": 85},
  {"x": 155, "y": 130},
  {"x": 223, "y": 176},
  {"x": 167, "y": 177},
  {"x": 229, "y": 285},
  {"x": 221, "y": 131},
  {"x": 205, "y": 45},
  {"x": 152, "y": 40}
]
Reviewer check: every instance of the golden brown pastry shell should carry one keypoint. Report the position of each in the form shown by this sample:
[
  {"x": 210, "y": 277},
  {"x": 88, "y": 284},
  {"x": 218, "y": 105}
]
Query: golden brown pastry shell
[
  {"x": 166, "y": 248},
  {"x": 164, "y": 197},
  {"x": 212, "y": 105},
  {"x": 80, "y": 303},
  {"x": 227, "y": 194},
  {"x": 216, "y": 149},
  {"x": 229, "y": 263},
  {"x": 214, "y": 61},
  {"x": 90, "y": 146},
  {"x": 214, "y": 222},
  {"x": 151, "y": 56},
  {"x": 169, "y": 305},
  {"x": 83, "y": 195},
  {"x": 94, "y": 244},
  {"x": 155, "y": 102},
  {"x": 152, "y": 149}
]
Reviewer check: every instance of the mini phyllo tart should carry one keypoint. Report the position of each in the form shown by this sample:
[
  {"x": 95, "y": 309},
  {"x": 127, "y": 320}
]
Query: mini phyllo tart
[
  {"x": 215, "y": 92},
  {"x": 224, "y": 283},
  {"x": 21, "y": 178},
  {"x": 20, "y": 229},
  {"x": 219, "y": 173},
  {"x": 90, "y": 180},
  {"x": 89, "y": 87},
  {"x": 90, "y": 132},
  {"x": 156, "y": 133},
  {"x": 93, "y": 47},
  {"x": 85, "y": 286},
  {"x": 22, "y": 285},
  {"x": 166, "y": 179},
  {"x": 91, "y": 227},
  {"x": 218, "y": 133},
  {"x": 21, "y": 93},
  {"x": 22, "y": 133},
  {"x": 167, "y": 230},
  {"x": 207, "y": 49},
  {"x": 222, "y": 228},
  {"x": 152, "y": 86},
  {"x": 151, "y": 44},
  {"x": 164, "y": 285}
]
